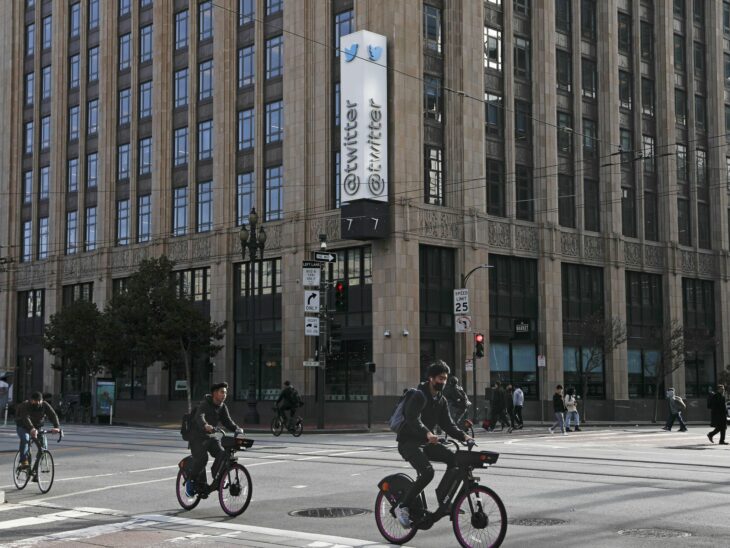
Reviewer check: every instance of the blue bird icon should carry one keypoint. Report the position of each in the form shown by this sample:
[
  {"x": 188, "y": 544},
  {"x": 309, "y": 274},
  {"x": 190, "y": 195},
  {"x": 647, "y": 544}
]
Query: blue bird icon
[
  {"x": 375, "y": 52},
  {"x": 350, "y": 53}
]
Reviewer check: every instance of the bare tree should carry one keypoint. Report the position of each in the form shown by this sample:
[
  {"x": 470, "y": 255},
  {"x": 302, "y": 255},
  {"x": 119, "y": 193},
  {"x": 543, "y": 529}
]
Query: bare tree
[
  {"x": 671, "y": 359},
  {"x": 599, "y": 336}
]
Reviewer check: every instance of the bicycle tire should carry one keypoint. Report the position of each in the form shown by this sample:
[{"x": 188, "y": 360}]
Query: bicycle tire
[
  {"x": 235, "y": 489},
  {"x": 188, "y": 503},
  {"x": 298, "y": 428},
  {"x": 45, "y": 471},
  {"x": 20, "y": 477},
  {"x": 277, "y": 426},
  {"x": 388, "y": 524},
  {"x": 479, "y": 529}
]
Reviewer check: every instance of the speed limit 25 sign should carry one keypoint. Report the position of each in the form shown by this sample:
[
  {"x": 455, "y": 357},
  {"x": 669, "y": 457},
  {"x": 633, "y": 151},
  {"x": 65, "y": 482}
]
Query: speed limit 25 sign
[{"x": 461, "y": 302}]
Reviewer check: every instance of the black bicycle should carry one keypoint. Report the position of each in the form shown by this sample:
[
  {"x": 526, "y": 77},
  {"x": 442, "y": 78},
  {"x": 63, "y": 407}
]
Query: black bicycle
[
  {"x": 294, "y": 426},
  {"x": 42, "y": 470},
  {"x": 231, "y": 480},
  {"x": 477, "y": 513}
]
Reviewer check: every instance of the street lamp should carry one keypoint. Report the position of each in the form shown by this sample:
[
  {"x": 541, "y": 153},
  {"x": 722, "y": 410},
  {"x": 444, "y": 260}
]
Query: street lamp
[{"x": 254, "y": 241}]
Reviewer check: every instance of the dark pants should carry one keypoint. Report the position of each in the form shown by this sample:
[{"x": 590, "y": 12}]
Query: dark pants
[
  {"x": 420, "y": 457},
  {"x": 200, "y": 449},
  {"x": 501, "y": 416},
  {"x": 675, "y": 416},
  {"x": 722, "y": 432},
  {"x": 518, "y": 415},
  {"x": 284, "y": 407}
]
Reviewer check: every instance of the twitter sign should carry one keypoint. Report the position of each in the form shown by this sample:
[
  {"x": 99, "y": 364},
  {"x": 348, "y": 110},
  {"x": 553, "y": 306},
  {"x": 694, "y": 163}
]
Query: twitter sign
[{"x": 364, "y": 111}]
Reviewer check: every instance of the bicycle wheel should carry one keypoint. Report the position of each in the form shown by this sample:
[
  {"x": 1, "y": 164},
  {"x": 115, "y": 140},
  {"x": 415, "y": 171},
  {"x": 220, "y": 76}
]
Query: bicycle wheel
[
  {"x": 20, "y": 476},
  {"x": 188, "y": 503},
  {"x": 235, "y": 490},
  {"x": 277, "y": 426},
  {"x": 388, "y": 524},
  {"x": 479, "y": 518},
  {"x": 298, "y": 428},
  {"x": 45, "y": 471}
]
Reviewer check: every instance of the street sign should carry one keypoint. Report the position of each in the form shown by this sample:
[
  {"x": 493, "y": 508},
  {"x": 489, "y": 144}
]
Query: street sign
[
  {"x": 541, "y": 360},
  {"x": 311, "y": 326},
  {"x": 325, "y": 256},
  {"x": 311, "y": 363},
  {"x": 469, "y": 365},
  {"x": 462, "y": 324},
  {"x": 311, "y": 273},
  {"x": 461, "y": 302},
  {"x": 311, "y": 300}
]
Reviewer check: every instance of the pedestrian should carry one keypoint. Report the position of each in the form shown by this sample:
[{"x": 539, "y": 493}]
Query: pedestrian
[
  {"x": 559, "y": 410},
  {"x": 518, "y": 400},
  {"x": 676, "y": 406},
  {"x": 498, "y": 409},
  {"x": 510, "y": 402},
  {"x": 571, "y": 413},
  {"x": 718, "y": 414}
]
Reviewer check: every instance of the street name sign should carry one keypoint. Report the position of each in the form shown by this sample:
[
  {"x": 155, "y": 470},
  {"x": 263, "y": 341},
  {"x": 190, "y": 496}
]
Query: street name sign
[
  {"x": 311, "y": 363},
  {"x": 311, "y": 326},
  {"x": 311, "y": 300},
  {"x": 311, "y": 273}
]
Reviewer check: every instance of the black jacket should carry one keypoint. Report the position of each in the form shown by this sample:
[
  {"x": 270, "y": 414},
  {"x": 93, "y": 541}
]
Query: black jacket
[
  {"x": 558, "y": 403},
  {"x": 29, "y": 416},
  {"x": 422, "y": 413},
  {"x": 498, "y": 400},
  {"x": 214, "y": 415},
  {"x": 718, "y": 413},
  {"x": 289, "y": 396}
]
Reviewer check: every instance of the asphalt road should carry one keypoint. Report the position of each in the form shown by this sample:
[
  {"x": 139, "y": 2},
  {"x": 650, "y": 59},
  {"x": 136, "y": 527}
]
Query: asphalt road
[{"x": 608, "y": 487}]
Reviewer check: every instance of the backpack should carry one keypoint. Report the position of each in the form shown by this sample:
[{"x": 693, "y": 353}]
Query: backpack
[
  {"x": 396, "y": 420},
  {"x": 296, "y": 398},
  {"x": 186, "y": 425}
]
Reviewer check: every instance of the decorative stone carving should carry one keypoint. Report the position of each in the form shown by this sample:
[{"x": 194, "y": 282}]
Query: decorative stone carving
[
  {"x": 526, "y": 238},
  {"x": 178, "y": 251},
  {"x": 499, "y": 234},
  {"x": 87, "y": 264},
  {"x": 632, "y": 253},
  {"x": 707, "y": 264},
  {"x": 38, "y": 273},
  {"x": 70, "y": 267},
  {"x": 569, "y": 244},
  {"x": 23, "y": 274},
  {"x": 593, "y": 247},
  {"x": 120, "y": 258},
  {"x": 438, "y": 224},
  {"x": 201, "y": 248},
  {"x": 273, "y": 236},
  {"x": 329, "y": 225},
  {"x": 653, "y": 256},
  {"x": 688, "y": 261},
  {"x": 139, "y": 255}
]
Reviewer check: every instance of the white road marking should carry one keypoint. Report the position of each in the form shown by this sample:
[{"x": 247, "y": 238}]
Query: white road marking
[
  {"x": 42, "y": 520},
  {"x": 81, "y": 534},
  {"x": 152, "y": 469},
  {"x": 298, "y": 486}
]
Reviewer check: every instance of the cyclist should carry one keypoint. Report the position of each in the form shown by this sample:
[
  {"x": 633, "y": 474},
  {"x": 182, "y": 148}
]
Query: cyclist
[
  {"x": 424, "y": 410},
  {"x": 457, "y": 399},
  {"x": 288, "y": 400},
  {"x": 29, "y": 418},
  {"x": 211, "y": 412}
]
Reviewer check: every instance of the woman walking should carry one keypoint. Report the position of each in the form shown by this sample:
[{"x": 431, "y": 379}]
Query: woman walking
[{"x": 718, "y": 414}]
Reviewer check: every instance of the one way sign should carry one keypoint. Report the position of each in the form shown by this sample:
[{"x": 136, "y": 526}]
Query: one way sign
[{"x": 311, "y": 300}]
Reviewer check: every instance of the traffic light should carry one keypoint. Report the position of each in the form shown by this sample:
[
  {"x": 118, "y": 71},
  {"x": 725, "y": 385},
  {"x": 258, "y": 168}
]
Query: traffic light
[
  {"x": 335, "y": 336},
  {"x": 340, "y": 296},
  {"x": 479, "y": 345}
]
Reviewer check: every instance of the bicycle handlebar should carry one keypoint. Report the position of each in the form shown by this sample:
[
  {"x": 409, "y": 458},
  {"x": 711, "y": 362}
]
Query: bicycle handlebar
[
  {"x": 60, "y": 434},
  {"x": 470, "y": 444}
]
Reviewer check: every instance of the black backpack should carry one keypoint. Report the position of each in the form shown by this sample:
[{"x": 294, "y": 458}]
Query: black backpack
[
  {"x": 186, "y": 425},
  {"x": 296, "y": 399}
]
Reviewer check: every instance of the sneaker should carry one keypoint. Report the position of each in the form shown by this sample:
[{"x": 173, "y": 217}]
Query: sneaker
[
  {"x": 723, "y": 443},
  {"x": 682, "y": 429},
  {"x": 551, "y": 430},
  {"x": 24, "y": 464},
  {"x": 666, "y": 429},
  {"x": 567, "y": 429},
  {"x": 576, "y": 429},
  {"x": 189, "y": 489},
  {"x": 401, "y": 512},
  {"x": 709, "y": 437}
]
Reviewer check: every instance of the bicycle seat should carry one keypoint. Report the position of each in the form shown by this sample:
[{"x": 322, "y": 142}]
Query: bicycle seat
[{"x": 475, "y": 459}]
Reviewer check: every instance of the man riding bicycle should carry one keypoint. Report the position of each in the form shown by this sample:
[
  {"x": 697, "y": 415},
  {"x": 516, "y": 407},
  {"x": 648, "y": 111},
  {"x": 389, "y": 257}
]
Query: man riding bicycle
[
  {"x": 209, "y": 414},
  {"x": 288, "y": 400},
  {"x": 29, "y": 418},
  {"x": 424, "y": 410}
]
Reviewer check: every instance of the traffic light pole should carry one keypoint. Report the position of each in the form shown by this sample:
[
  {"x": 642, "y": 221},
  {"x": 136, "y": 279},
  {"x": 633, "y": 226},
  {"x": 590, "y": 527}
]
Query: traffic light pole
[
  {"x": 322, "y": 343},
  {"x": 474, "y": 387}
]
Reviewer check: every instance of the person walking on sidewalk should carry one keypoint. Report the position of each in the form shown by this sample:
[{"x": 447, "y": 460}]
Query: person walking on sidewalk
[
  {"x": 559, "y": 410},
  {"x": 509, "y": 401},
  {"x": 571, "y": 413},
  {"x": 676, "y": 406},
  {"x": 718, "y": 414},
  {"x": 518, "y": 399}
]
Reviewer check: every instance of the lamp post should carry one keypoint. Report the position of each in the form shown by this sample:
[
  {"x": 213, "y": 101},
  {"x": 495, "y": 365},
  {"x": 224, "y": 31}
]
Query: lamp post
[{"x": 253, "y": 240}]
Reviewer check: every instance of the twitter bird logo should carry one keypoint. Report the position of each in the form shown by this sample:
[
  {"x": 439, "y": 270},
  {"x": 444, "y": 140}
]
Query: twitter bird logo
[
  {"x": 375, "y": 52},
  {"x": 350, "y": 53}
]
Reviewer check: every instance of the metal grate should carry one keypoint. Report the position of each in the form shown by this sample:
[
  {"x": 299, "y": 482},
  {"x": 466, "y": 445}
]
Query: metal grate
[{"x": 329, "y": 512}]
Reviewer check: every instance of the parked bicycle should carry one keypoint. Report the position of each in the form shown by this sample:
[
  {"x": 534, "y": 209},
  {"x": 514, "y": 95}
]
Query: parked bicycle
[
  {"x": 231, "y": 479},
  {"x": 42, "y": 470},
  {"x": 294, "y": 426},
  {"x": 477, "y": 513}
]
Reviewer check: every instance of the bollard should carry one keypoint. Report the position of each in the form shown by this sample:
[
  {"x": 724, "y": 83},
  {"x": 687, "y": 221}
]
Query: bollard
[
  {"x": 5, "y": 423},
  {"x": 111, "y": 413}
]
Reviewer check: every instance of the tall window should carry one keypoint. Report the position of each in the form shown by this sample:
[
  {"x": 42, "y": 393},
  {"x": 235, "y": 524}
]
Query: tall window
[
  {"x": 679, "y": 52},
  {"x": 45, "y": 133},
  {"x": 522, "y": 58},
  {"x": 125, "y": 7},
  {"x": 699, "y": 56},
  {"x": 525, "y": 206},
  {"x": 179, "y": 211},
  {"x": 624, "y": 89},
  {"x": 123, "y": 159},
  {"x": 566, "y": 201},
  {"x": 27, "y": 241},
  {"x": 624, "y": 33},
  {"x": 47, "y": 37},
  {"x": 74, "y": 24},
  {"x": 492, "y": 48},
  {"x": 28, "y": 187},
  {"x": 145, "y": 99},
  {"x": 145, "y": 44},
  {"x": 125, "y": 106},
  {"x": 46, "y": 83},
  {"x": 523, "y": 121},
  {"x": 590, "y": 142},
  {"x": 434, "y": 171},
  {"x": 246, "y": 129},
  {"x": 72, "y": 225},
  {"x": 74, "y": 72},
  {"x": 181, "y": 87},
  {"x": 493, "y": 114},
  {"x": 205, "y": 140},
  {"x": 90, "y": 236},
  {"x": 93, "y": 64},
  {"x": 93, "y": 14},
  {"x": 245, "y": 197},
  {"x": 92, "y": 165},
  {"x": 29, "y": 44},
  {"x": 274, "y": 6},
  {"x": 180, "y": 146},
  {"x": 700, "y": 113},
  {"x": 647, "y": 97},
  {"x": 144, "y": 218},
  {"x": 432, "y": 28},
  {"x": 205, "y": 20},
  {"x": 246, "y": 66},
  {"x": 181, "y": 29},
  {"x": 565, "y": 135},
  {"x": 274, "y": 56},
  {"x": 44, "y": 186},
  {"x": 562, "y": 16},
  {"x": 274, "y": 206},
  {"x": 647, "y": 41},
  {"x": 495, "y": 188},
  {"x": 204, "y": 222},
  {"x": 680, "y": 107},
  {"x": 344, "y": 25},
  {"x": 145, "y": 156},
  {"x": 592, "y": 205},
  {"x": 564, "y": 70},
  {"x": 72, "y": 182},
  {"x": 432, "y": 98},
  {"x": 205, "y": 80},
  {"x": 274, "y": 122},
  {"x": 125, "y": 51},
  {"x": 29, "y": 88},
  {"x": 122, "y": 222},
  {"x": 43, "y": 238},
  {"x": 92, "y": 117},
  {"x": 28, "y": 148},
  {"x": 246, "y": 11}
]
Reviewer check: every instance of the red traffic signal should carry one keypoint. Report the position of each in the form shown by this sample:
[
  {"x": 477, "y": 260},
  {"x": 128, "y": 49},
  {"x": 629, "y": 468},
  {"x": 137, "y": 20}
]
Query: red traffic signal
[
  {"x": 479, "y": 338},
  {"x": 478, "y": 345},
  {"x": 340, "y": 296}
]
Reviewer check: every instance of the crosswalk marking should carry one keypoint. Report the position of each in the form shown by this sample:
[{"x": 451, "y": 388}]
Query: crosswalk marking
[{"x": 41, "y": 520}]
